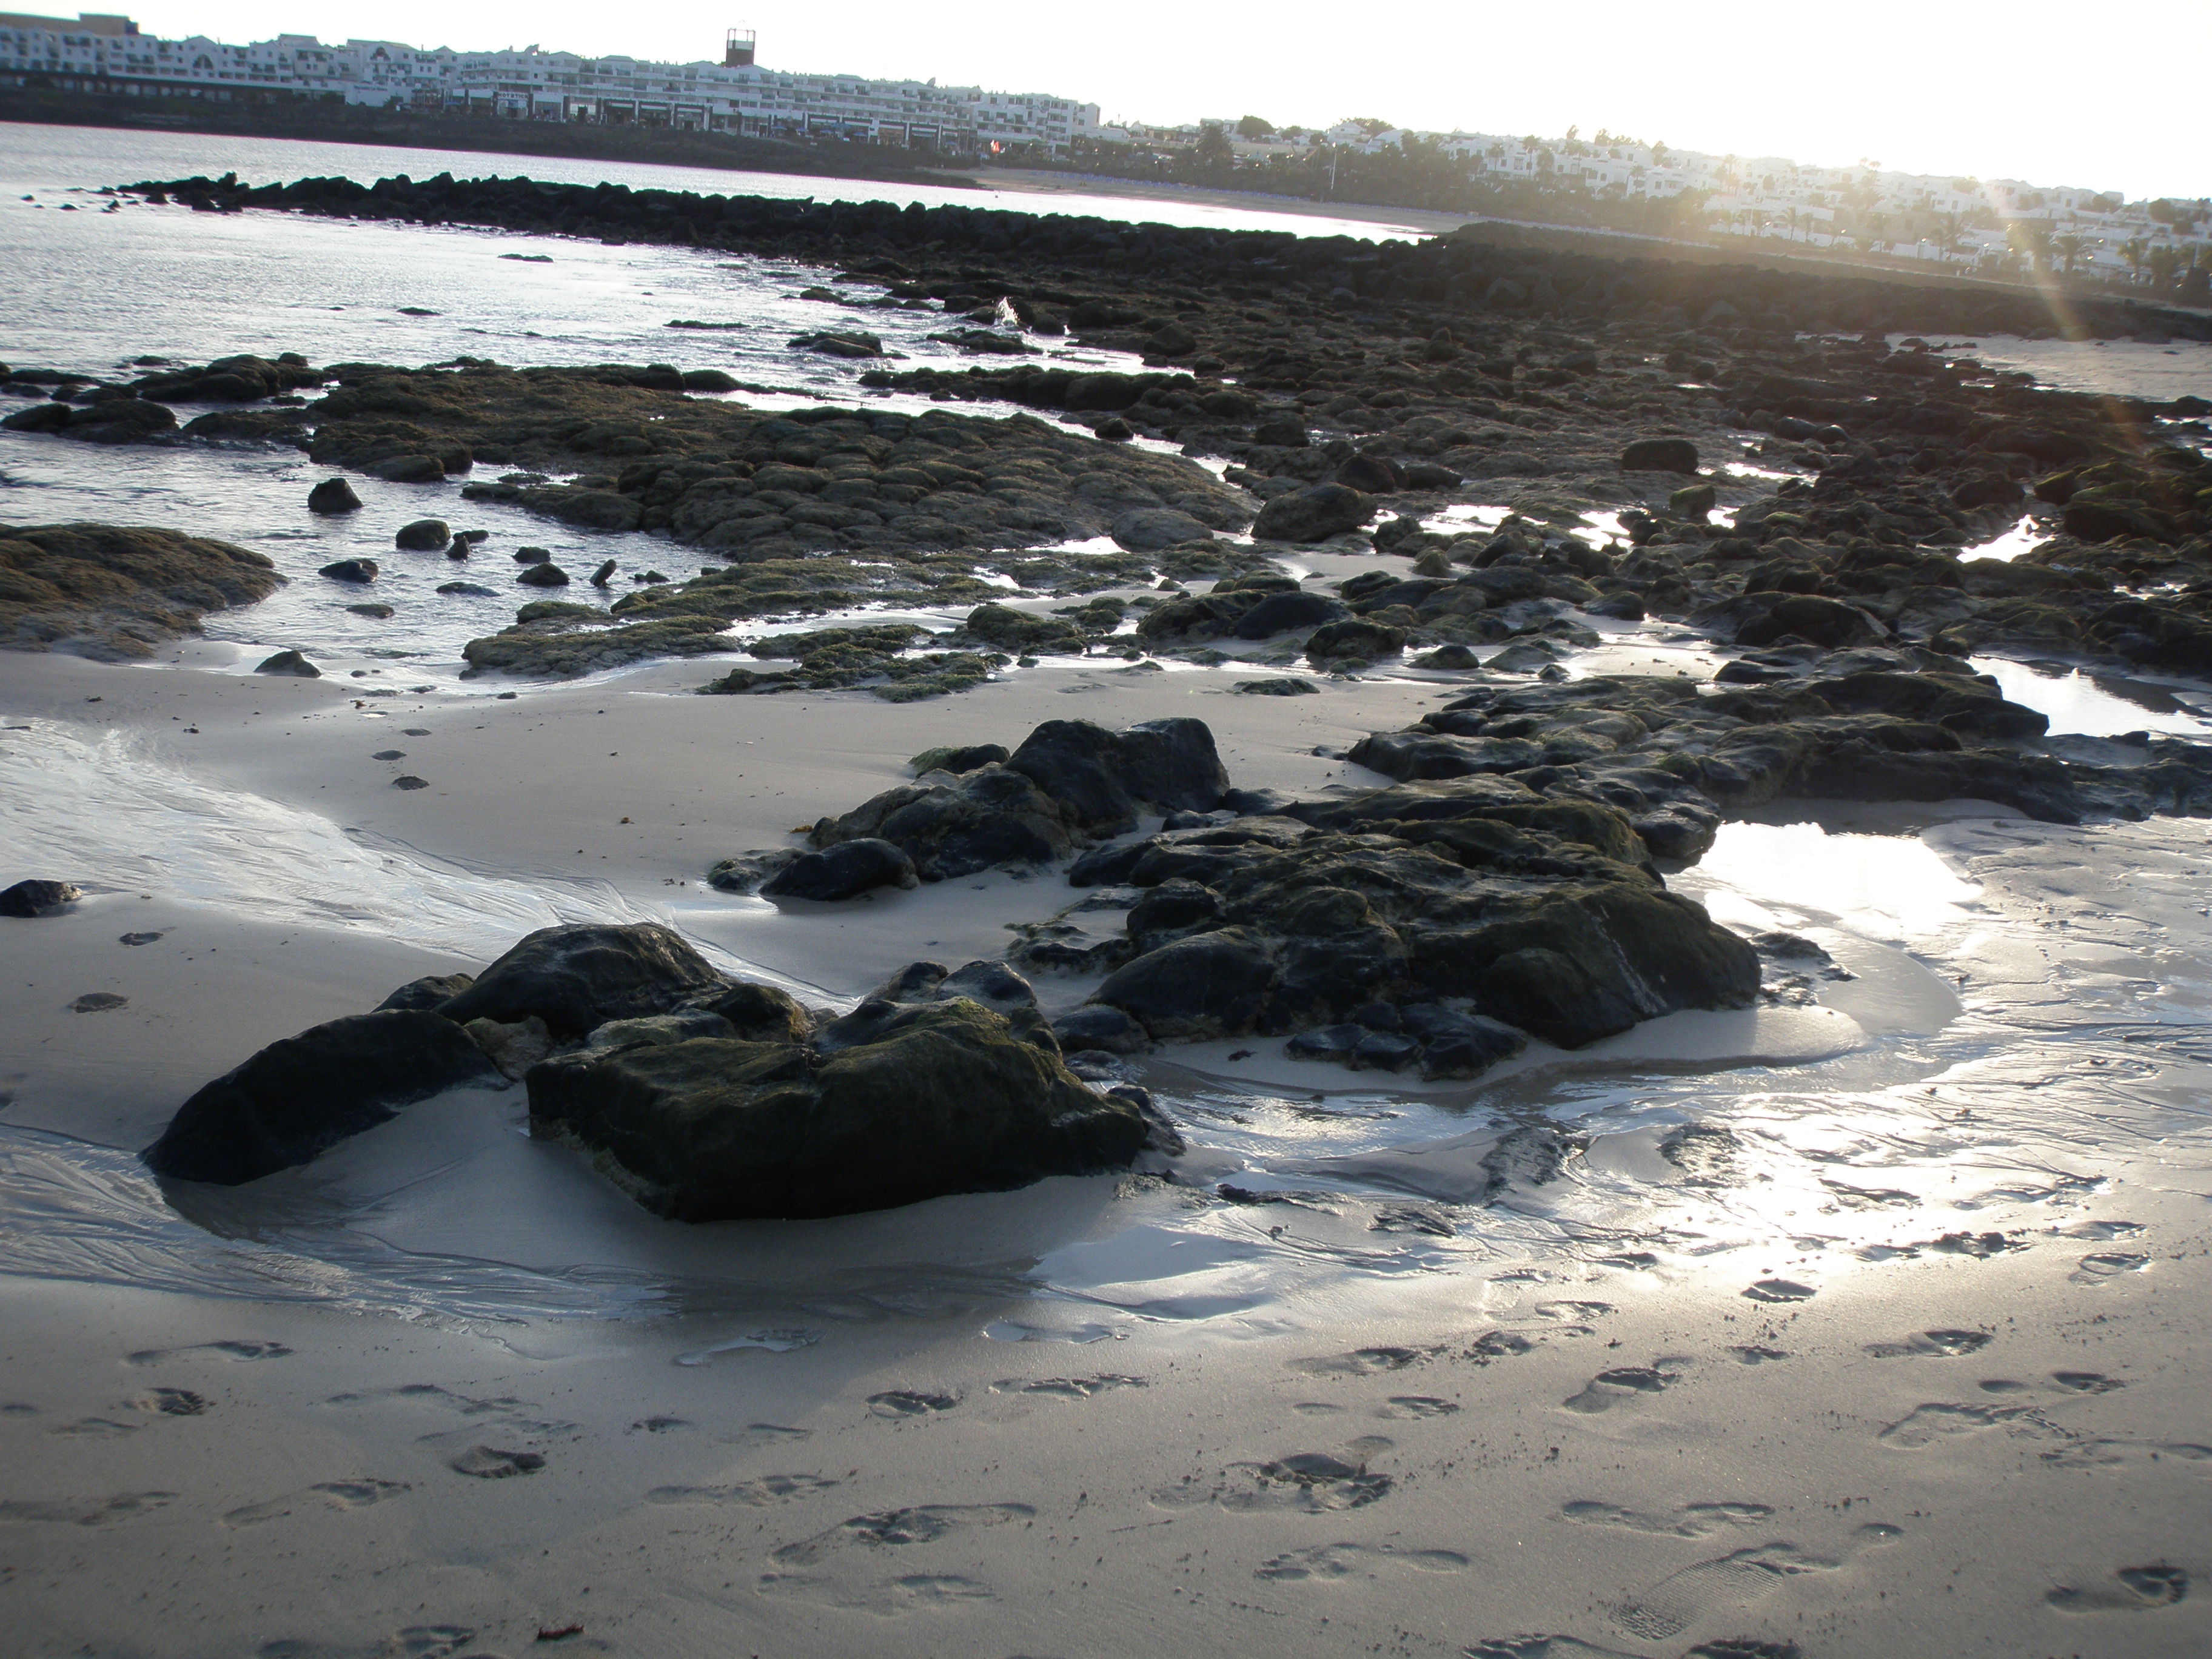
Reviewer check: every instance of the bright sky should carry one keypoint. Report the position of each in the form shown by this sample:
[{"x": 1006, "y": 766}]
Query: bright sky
[{"x": 2111, "y": 97}]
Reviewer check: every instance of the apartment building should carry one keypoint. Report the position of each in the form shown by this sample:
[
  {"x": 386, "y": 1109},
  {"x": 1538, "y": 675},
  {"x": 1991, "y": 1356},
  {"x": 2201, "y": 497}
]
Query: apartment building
[{"x": 108, "y": 54}]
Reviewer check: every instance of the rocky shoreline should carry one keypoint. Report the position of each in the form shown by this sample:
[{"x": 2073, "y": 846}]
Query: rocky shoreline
[{"x": 1506, "y": 882}]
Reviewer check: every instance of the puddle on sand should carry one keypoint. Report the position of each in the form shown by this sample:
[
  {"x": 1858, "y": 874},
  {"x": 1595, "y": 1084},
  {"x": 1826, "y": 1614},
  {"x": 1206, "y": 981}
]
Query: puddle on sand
[
  {"x": 2090, "y": 705},
  {"x": 2024, "y": 537},
  {"x": 1891, "y": 888}
]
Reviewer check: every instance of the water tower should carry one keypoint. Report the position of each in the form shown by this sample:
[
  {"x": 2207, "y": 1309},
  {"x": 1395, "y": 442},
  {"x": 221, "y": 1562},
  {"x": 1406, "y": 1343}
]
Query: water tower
[{"x": 737, "y": 51}]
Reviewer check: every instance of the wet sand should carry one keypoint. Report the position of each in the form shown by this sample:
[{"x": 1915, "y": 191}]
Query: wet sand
[{"x": 1921, "y": 1358}]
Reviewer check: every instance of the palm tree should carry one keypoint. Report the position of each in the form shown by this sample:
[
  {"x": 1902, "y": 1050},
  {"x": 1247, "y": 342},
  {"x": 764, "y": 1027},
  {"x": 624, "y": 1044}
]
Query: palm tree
[
  {"x": 2133, "y": 250},
  {"x": 2068, "y": 248}
]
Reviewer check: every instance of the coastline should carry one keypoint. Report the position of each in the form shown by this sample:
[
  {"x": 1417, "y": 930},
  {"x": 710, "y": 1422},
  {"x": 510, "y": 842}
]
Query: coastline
[{"x": 1858, "y": 1321}]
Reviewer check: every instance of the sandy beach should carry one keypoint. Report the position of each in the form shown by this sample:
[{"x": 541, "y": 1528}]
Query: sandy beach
[{"x": 1739, "y": 1431}]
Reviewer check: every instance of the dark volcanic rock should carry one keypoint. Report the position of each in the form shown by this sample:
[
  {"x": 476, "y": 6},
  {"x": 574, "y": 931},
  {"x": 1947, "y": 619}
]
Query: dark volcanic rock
[
  {"x": 116, "y": 593},
  {"x": 938, "y": 1097},
  {"x": 1312, "y": 515},
  {"x": 1584, "y": 963},
  {"x": 333, "y": 495},
  {"x": 1207, "y": 985},
  {"x": 579, "y": 976},
  {"x": 1146, "y": 530},
  {"x": 349, "y": 570},
  {"x": 301, "y": 1096},
  {"x": 431, "y": 991},
  {"x": 289, "y": 662},
  {"x": 423, "y": 536},
  {"x": 843, "y": 870},
  {"x": 1282, "y": 613},
  {"x": 991, "y": 817},
  {"x": 39, "y": 898},
  {"x": 1354, "y": 639},
  {"x": 1101, "y": 777},
  {"x": 1660, "y": 455}
]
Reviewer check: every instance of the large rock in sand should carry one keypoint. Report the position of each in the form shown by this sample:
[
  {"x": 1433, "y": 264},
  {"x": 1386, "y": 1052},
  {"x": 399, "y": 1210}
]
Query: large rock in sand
[
  {"x": 1101, "y": 778},
  {"x": 1148, "y": 529},
  {"x": 1660, "y": 455},
  {"x": 306, "y": 1093},
  {"x": 943, "y": 1097},
  {"x": 1312, "y": 515},
  {"x": 28, "y": 899},
  {"x": 577, "y": 977}
]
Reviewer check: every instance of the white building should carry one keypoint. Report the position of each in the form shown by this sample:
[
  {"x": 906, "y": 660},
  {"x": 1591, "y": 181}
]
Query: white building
[{"x": 105, "y": 54}]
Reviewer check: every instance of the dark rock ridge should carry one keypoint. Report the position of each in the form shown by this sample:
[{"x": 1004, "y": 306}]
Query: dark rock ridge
[
  {"x": 116, "y": 594},
  {"x": 707, "y": 1099},
  {"x": 1506, "y": 881},
  {"x": 1461, "y": 270},
  {"x": 1359, "y": 388}
]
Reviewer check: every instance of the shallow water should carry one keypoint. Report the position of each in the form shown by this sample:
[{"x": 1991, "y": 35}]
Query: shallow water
[{"x": 2094, "y": 704}]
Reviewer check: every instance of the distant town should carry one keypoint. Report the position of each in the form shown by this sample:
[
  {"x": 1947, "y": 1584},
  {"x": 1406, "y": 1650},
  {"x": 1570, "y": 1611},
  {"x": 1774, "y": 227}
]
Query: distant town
[{"x": 2000, "y": 228}]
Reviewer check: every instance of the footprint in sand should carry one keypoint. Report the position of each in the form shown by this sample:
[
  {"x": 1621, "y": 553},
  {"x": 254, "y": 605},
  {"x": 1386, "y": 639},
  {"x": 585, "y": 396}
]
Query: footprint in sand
[
  {"x": 328, "y": 1494},
  {"x": 1625, "y": 1384},
  {"x": 1934, "y": 1345},
  {"x": 1500, "y": 1345},
  {"x": 489, "y": 1463},
  {"x": 1066, "y": 1388},
  {"x": 1779, "y": 1289},
  {"x": 171, "y": 1402},
  {"x": 1314, "y": 1482},
  {"x": 2132, "y": 1589},
  {"x": 765, "y": 1434},
  {"x": 1926, "y": 1424},
  {"x": 924, "y": 1523},
  {"x": 2106, "y": 1264},
  {"x": 1690, "y": 1521},
  {"x": 94, "y": 1428},
  {"x": 757, "y": 1494},
  {"x": 1331, "y": 1563},
  {"x": 1733, "y": 1581},
  {"x": 1571, "y": 1313},
  {"x": 2102, "y": 1453},
  {"x": 235, "y": 1351},
  {"x": 1753, "y": 1354},
  {"x": 98, "y": 1512},
  {"x": 2086, "y": 1382},
  {"x": 415, "y": 1642},
  {"x": 1365, "y": 1362},
  {"x": 1543, "y": 1647},
  {"x": 920, "y": 1592},
  {"x": 1416, "y": 1405},
  {"x": 907, "y": 1402}
]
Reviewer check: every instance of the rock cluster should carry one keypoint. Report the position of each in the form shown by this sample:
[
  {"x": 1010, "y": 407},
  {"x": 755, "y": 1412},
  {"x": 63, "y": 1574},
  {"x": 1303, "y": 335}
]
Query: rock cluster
[
  {"x": 1507, "y": 884},
  {"x": 706, "y": 1098}
]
